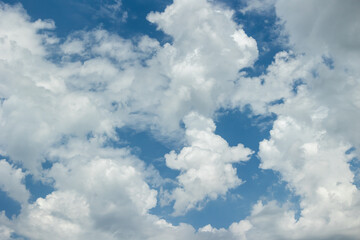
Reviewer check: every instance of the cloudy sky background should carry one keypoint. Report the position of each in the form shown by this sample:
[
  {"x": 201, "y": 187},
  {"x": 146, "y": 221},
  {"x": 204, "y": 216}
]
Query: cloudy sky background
[{"x": 180, "y": 119}]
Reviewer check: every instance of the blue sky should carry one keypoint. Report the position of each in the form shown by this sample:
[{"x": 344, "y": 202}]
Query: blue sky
[{"x": 179, "y": 119}]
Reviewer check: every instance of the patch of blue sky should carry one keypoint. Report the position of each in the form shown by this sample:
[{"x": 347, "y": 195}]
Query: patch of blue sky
[
  {"x": 11, "y": 207},
  {"x": 146, "y": 147},
  {"x": 7, "y": 204},
  {"x": 18, "y": 237},
  {"x": 276, "y": 102},
  {"x": 5, "y": 157},
  {"x": 296, "y": 84},
  {"x": 328, "y": 61},
  {"x": 37, "y": 188},
  {"x": 47, "y": 164},
  {"x": 242, "y": 127},
  {"x": 34, "y": 186},
  {"x": 237, "y": 126},
  {"x": 354, "y": 167},
  {"x": 88, "y": 15},
  {"x": 2, "y": 100}
]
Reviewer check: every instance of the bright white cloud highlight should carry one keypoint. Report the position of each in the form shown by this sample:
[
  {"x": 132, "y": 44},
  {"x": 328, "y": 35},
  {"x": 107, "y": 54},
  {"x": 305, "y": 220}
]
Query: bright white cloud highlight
[{"x": 206, "y": 170}]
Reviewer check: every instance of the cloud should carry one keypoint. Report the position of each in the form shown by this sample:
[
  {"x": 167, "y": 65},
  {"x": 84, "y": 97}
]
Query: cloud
[
  {"x": 314, "y": 129},
  {"x": 66, "y": 112},
  {"x": 159, "y": 85},
  {"x": 277, "y": 84},
  {"x": 316, "y": 168},
  {"x": 260, "y": 6},
  {"x": 100, "y": 193},
  {"x": 60, "y": 215},
  {"x": 11, "y": 182},
  {"x": 19, "y": 35},
  {"x": 323, "y": 27},
  {"x": 206, "y": 170},
  {"x": 5, "y": 232},
  {"x": 114, "y": 11}
]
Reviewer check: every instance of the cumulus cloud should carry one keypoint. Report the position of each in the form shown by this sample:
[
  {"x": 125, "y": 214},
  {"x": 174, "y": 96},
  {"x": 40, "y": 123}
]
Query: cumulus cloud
[
  {"x": 315, "y": 127},
  {"x": 159, "y": 85},
  {"x": 37, "y": 108},
  {"x": 317, "y": 169},
  {"x": 100, "y": 193},
  {"x": 205, "y": 165},
  {"x": 11, "y": 182},
  {"x": 277, "y": 84},
  {"x": 323, "y": 27},
  {"x": 5, "y": 232},
  {"x": 67, "y": 112}
]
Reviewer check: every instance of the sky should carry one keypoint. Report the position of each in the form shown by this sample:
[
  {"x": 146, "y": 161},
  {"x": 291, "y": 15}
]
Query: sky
[{"x": 183, "y": 119}]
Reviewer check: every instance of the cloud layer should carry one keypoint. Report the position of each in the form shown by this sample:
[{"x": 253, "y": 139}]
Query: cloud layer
[{"x": 61, "y": 101}]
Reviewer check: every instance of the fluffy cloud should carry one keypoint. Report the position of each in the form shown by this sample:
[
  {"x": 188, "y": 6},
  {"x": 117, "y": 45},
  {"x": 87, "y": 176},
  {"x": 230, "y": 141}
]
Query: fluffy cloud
[
  {"x": 5, "y": 232},
  {"x": 317, "y": 169},
  {"x": 205, "y": 165},
  {"x": 117, "y": 82},
  {"x": 158, "y": 85},
  {"x": 316, "y": 126},
  {"x": 11, "y": 181},
  {"x": 277, "y": 84},
  {"x": 100, "y": 193},
  {"x": 37, "y": 109},
  {"x": 60, "y": 215},
  {"x": 101, "y": 82},
  {"x": 66, "y": 112},
  {"x": 323, "y": 27}
]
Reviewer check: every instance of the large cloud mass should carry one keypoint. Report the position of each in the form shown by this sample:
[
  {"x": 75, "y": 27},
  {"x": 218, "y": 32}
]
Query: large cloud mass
[
  {"x": 61, "y": 102},
  {"x": 205, "y": 165}
]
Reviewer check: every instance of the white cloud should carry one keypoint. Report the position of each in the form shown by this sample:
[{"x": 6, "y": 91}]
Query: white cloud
[
  {"x": 316, "y": 168},
  {"x": 73, "y": 47},
  {"x": 60, "y": 215},
  {"x": 48, "y": 110},
  {"x": 326, "y": 29},
  {"x": 276, "y": 84},
  {"x": 19, "y": 35},
  {"x": 5, "y": 232},
  {"x": 100, "y": 193},
  {"x": 11, "y": 182},
  {"x": 202, "y": 33},
  {"x": 178, "y": 77},
  {"x": 260, "y": 6},
  {"x": 315, "y": 128},
  {"x": 323, "y": 27},
  {"x": 205, "y": 165},
  {"x": 117, "y": 82},
  {"x": 114, "y": 175}
]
